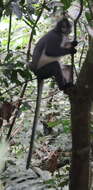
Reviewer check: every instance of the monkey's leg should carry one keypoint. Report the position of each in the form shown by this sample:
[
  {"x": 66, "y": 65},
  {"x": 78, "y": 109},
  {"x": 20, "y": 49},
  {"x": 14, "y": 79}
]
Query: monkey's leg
[
  {"x": 61, "y": 80},
  {"x": 37, "y": 111},
  {"x": 50, "y": 70}
]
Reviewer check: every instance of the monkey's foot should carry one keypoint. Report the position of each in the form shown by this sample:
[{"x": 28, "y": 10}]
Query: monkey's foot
[{"x": 68, "y": 88}]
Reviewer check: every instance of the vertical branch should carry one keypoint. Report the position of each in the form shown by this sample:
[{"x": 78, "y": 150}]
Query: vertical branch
[
  {"x": 33, "y": 28},
  {"x": 9, "y": 33},
  {"x": 75, "y": 35},
  {"x": 76, "y": 20}
]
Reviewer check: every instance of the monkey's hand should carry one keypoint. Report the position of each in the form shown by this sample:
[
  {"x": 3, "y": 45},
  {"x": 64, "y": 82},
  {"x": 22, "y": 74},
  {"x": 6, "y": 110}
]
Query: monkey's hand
[
  {"x": 73, "y": 50},
  {"x": 74, "y": 43}
]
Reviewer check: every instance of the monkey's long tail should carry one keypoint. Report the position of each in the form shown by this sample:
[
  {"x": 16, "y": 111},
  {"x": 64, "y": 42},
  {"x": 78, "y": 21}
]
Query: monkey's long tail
[{"x": 37, "y": 111}]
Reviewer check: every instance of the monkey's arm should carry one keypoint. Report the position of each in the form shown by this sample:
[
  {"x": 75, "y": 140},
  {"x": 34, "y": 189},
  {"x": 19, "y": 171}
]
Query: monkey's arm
[
  {"x": 59, "y": 51},
  {"x": 69, "y": 45},
  {"x": 53, "y": 46}
]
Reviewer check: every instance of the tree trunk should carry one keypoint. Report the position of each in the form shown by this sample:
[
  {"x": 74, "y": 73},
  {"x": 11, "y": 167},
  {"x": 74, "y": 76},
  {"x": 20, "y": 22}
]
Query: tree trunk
[
  {"x": 80, "y": 100},
  {"x": 80, "y": 108}
]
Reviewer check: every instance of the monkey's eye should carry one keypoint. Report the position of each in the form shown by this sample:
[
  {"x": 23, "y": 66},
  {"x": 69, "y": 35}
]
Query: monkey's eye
[
  {"x": 64, "y": 25},
  {"x": 66, "y": 28}
]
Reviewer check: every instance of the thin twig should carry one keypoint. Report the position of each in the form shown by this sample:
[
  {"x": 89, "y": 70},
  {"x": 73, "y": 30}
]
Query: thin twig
[
  {"x": 16, "y": 112},
  {"x": 33, "y": 28},
  {"x": 91, "y": 11},
  {"x": 6, "y": 91},
  {"x": 1, "y": 94},
  {"x": 81, "y": 54},
  {"x": 9, "y": 33},
  {"x": 27, "y": 23}
]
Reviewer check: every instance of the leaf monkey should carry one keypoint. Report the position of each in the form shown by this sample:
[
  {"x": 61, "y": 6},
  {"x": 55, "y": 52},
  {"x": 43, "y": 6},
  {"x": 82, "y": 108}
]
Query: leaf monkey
[{"x": 45, "y": 64}]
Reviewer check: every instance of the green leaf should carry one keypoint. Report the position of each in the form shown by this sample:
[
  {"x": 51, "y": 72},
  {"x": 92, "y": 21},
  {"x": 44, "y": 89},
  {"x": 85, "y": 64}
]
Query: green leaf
[
  {"x": 9, "y": 55},
  {"x": 88, "y": 16},
  {"x": 14, "y": 77},
  {"x": 54, "y": 123},
  {"x": 66, "y": 3}
]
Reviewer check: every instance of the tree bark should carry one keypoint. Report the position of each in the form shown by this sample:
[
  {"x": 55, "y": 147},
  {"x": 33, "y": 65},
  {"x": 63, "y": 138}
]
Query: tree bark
[
  {"x": 80, "y": 100},
  {"x": 80, "y": 108}
]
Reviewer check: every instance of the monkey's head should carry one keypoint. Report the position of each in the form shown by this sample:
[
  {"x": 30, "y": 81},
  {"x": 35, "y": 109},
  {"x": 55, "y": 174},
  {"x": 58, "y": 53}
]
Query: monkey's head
[{"x": 64, "y": 26}]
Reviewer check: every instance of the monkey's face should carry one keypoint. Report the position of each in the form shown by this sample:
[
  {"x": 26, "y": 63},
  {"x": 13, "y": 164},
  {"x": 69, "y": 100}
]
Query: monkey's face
[{"x": 64, "y": 26}]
